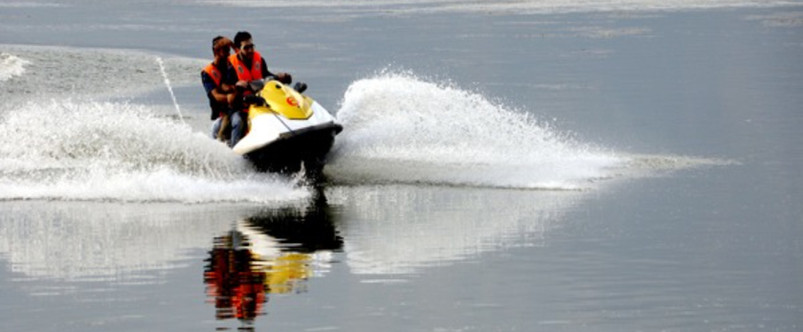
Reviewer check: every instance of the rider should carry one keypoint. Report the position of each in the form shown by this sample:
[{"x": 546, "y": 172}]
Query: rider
[
  {"x": 220, "y": 93},
  {"x": 245, "y": 66}
]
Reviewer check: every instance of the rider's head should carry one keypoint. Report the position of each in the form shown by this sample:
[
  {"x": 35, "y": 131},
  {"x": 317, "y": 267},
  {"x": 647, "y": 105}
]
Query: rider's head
[
  {"x": 244, "y": 44},
  {"x": 221, "y": 46}
]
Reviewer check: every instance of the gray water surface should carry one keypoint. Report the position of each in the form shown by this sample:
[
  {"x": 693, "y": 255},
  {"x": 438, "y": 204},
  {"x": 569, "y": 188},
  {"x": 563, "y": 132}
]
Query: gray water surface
[{"x": 701, "y": 232}]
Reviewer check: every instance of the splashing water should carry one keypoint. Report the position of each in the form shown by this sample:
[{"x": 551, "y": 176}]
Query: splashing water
[
  {"x": 169, "y": 87},
  {"x": 399, "y": 128},
  {"x": 86, "y": 150},
  {"x": 11, "y": 66},
  {"x": 78, "y": 148}
]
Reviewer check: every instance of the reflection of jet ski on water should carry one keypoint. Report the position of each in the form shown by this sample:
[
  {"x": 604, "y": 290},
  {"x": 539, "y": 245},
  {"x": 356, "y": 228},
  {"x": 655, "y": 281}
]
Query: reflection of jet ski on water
[
  {"x": 274, "y": 252},
  {"x": 286, "y": 129},
  {"x": 246, "y": 265}
]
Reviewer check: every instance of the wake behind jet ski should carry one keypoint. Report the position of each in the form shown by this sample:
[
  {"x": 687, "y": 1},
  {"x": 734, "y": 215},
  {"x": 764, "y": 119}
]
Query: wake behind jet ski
[{"x": 286, "y": 129}]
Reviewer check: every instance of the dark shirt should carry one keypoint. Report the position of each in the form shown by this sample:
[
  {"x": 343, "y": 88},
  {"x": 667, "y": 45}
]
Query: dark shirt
[{"x": 209, "y": 85}]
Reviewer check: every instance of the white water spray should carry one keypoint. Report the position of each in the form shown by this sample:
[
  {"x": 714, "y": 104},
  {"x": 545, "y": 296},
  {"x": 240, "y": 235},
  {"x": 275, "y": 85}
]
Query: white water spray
[
  {"x": 399, "y": 128},
  {"x": 132, "y": 155},
  {"x": 11, "y": 66},
  {"x": 169, "y": 87}
]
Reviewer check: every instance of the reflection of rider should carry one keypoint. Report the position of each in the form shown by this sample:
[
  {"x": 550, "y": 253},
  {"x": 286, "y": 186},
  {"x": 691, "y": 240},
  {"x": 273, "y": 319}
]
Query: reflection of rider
[
  {"x": 239, "y": 292},
  {"x": 245, "y": 66}
]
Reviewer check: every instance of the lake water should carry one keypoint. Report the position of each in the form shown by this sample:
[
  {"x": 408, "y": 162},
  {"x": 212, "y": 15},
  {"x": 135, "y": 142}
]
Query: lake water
[{"x": 542, "y": 165}]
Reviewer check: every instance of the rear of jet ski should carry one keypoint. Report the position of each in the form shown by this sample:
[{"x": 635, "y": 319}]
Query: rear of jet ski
[{"x": 287, "y": 153}]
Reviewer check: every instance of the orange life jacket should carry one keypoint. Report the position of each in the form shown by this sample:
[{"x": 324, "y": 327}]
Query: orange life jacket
[
  {"x": 217, "y": 77},
  {"x": 244, "y": 73},
  {"x": 214, "y": 73}
]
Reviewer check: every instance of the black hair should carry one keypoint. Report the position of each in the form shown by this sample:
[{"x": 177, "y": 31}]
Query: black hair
[
  {"x": 214, "y": 41},
  {"x": 240, "y": 37}
]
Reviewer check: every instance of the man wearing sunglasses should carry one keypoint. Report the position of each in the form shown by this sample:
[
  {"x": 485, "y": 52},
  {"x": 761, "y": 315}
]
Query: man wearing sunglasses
[
  {"x": 245, "y": 66},
  {"x": 248, "y": 64}
]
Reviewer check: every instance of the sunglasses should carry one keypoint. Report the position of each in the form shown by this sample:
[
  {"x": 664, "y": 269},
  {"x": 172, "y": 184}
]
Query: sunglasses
[{"x": 248, "y": 47}]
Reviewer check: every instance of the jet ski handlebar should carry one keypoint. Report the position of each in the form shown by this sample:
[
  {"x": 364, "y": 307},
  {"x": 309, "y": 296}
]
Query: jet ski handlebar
[
  {"x": 256, "y": 85},
  {"x": 254, "y": 100}
]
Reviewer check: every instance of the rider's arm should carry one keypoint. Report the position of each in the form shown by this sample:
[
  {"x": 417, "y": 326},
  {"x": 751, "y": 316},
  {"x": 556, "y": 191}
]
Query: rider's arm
[
  {"x": 212, "y": 90},
  {"x": 282, "y": 77}
]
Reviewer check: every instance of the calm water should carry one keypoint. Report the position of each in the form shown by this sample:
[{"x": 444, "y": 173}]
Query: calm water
[{"x": 539, "y": 166}]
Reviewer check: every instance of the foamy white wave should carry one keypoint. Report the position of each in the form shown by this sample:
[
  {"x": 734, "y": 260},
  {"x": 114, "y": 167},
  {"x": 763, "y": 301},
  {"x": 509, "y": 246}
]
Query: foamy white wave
[
  {"x": 11, "y": 66},
  {"x": 157, "y": 186},
  {"x": 84, "y": 150},
  {"x": 512, "y": 7},
  {"x": 399, "y": 128}
]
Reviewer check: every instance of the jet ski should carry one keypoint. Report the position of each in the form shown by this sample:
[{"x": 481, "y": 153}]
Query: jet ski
[{"x": 286, "y": 129}]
